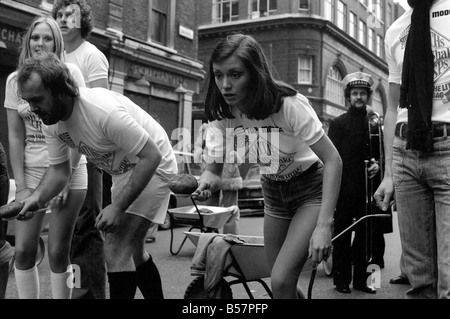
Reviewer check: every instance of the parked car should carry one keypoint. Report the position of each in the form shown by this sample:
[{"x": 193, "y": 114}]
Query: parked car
[{"x": 251, "y": 200}]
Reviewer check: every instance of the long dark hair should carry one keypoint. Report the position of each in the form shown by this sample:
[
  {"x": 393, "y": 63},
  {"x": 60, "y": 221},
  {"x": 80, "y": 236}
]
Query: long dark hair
[{"x": 265, "y": 93}]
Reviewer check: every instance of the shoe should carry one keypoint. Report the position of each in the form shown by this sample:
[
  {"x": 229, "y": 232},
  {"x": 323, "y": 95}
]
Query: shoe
[
  {"x": 400, "y": 280},
  {"x": 367, "y": 289},
  {"x": 344, "y": 289}
]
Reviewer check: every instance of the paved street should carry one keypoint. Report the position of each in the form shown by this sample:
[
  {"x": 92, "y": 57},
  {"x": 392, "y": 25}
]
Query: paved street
[{"x": 175, "y": 270}]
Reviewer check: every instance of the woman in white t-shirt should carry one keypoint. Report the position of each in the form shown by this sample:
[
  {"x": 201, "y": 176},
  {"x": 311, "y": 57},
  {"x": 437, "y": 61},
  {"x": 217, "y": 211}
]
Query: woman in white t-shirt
[
  {"x": 269, "y": 123},
  {"x": 29, "y": 161}
]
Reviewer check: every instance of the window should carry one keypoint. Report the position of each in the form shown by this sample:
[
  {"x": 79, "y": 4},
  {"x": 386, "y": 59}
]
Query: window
[
  {"x": 342, "y": 15},
  {"x": 379, "y": 46},
  {"x": 225, "y": 11},
  {"x": 334, "y": 91},
  {"x": 376, "y": 7},
  {"x": 159, "y": 21},
  {"x": 305, "y": 70},
  {"x": 370, "y": 39},
  {"x": 352, "y": 25},
  {"x": 263, "y": 8},
  {"x": 329, "y": 10},
  {"x": 362, "y": 32},
  {"x": 304, "y": 5}
]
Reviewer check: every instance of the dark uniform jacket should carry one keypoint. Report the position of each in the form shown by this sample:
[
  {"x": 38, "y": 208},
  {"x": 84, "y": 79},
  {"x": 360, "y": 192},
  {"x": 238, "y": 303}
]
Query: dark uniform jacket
[{"x": 350, "y": 134}]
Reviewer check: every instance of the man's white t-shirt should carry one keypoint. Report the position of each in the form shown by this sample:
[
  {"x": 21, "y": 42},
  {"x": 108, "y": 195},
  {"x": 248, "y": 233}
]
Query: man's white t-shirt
[
  {"x": 280, "y": 144},
  {"x": 395, "y": 43},
  {"x": 110, "y": 130},
  {"x": 91, "y": 61}
]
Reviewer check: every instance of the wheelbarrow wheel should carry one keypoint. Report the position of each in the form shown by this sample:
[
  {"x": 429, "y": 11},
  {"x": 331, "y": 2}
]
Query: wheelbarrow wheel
[{"x": 196, "y": 289}]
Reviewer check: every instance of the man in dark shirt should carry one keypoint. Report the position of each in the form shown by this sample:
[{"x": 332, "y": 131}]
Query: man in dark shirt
[{"x": 360, "y": 153}]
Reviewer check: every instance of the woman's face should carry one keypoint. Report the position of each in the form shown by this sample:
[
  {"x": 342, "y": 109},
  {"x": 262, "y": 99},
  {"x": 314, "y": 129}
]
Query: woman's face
[
  {"x": 232, "y": 79},
  {"x": 42, "y": 40}
]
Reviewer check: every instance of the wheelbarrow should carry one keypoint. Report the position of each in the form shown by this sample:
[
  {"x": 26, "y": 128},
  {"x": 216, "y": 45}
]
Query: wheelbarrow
[
  {"x": 248, "y": 264},
  {"x": 207, "y": 219}
]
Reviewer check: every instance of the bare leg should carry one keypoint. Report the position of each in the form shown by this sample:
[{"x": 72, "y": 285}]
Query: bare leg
[{"x": 287, "y": 244}]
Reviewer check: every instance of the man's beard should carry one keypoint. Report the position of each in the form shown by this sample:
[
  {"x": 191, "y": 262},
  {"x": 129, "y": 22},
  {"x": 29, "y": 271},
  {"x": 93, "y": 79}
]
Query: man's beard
[{"x": 56, "y": 114}]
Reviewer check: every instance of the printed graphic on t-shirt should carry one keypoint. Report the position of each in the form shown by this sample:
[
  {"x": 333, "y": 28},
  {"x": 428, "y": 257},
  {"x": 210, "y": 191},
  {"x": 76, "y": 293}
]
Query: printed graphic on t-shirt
[
  {"x": 103, "y": 161},
  {"x": 262, "y": 145},
  {"x": 65, "y": 137},
  {"x": 33, "y": 119},
  {"x": 284, "y": 163},
  {"x": 35, "y": 122},
  {"x": 441, "y": 51},
  {"x": 404, "y": 37}
]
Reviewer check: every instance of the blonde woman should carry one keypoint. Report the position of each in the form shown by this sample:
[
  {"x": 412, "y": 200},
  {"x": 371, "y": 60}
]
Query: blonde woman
[{"x": 29, "y": 161}]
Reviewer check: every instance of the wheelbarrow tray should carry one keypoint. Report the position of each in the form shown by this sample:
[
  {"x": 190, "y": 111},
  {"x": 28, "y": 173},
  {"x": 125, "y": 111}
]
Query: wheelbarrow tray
[
  {"x": 213, "y": 216},
  {"x": 248, "y": 257}
]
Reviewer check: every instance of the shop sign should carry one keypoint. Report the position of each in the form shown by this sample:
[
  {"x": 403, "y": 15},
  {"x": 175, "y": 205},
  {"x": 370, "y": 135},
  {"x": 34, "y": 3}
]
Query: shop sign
[
  {"x": 10, "y": 38},
  {"x": 156, "y": 76},
  {"x": 186, "y": 32}
]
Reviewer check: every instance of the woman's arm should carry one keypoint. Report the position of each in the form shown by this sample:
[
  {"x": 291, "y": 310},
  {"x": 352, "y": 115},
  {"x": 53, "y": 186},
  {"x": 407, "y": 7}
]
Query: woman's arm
[
  {"x": 16, "y": 137},
  {"x": 210, "y": 181},
  {"x": 321, "y": 239}
]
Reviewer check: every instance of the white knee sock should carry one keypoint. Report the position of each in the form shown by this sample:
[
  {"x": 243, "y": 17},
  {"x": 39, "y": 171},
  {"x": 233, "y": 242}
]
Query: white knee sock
[
  {"x": 27, "y": 283},
  {"x": 60, "y": 287}
]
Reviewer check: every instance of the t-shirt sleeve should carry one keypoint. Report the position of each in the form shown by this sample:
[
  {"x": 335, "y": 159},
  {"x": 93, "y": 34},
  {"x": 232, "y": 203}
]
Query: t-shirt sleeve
[
  {"x": 58, "y": 151},
  {"x": 303, "y": 120},
  {"x": 395, "y": 72},
  {"x": 76, "y": 74},
  {"x": 392, "y": 44},
  {"x": 98, "y": 66},
  {"x": 215, "y": 142},
  {"x": 11, "y": 94},
  {"x": 121, "y": 128}
]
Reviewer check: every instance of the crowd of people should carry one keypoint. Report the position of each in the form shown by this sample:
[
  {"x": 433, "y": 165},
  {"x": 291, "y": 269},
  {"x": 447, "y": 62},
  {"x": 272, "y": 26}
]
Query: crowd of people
[{"x": 315, "y": 183}]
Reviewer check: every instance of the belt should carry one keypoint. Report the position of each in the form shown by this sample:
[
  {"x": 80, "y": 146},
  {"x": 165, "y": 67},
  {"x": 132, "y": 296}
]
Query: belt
[{"x": 440, "y": 129}]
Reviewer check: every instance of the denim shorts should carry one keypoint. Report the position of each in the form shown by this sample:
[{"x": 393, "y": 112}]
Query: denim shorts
[{"x": 283, "y": 198}]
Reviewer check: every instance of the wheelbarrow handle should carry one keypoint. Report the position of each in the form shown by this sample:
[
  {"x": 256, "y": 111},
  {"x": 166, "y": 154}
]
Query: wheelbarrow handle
[
  {"x": 357, "y": 222},
  {"x": 313, "y": 273}
]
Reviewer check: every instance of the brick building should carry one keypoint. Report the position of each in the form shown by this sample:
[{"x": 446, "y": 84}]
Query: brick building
[
  {"x": 151, "y": 46},
  {"x": 311, "y": 44}
]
